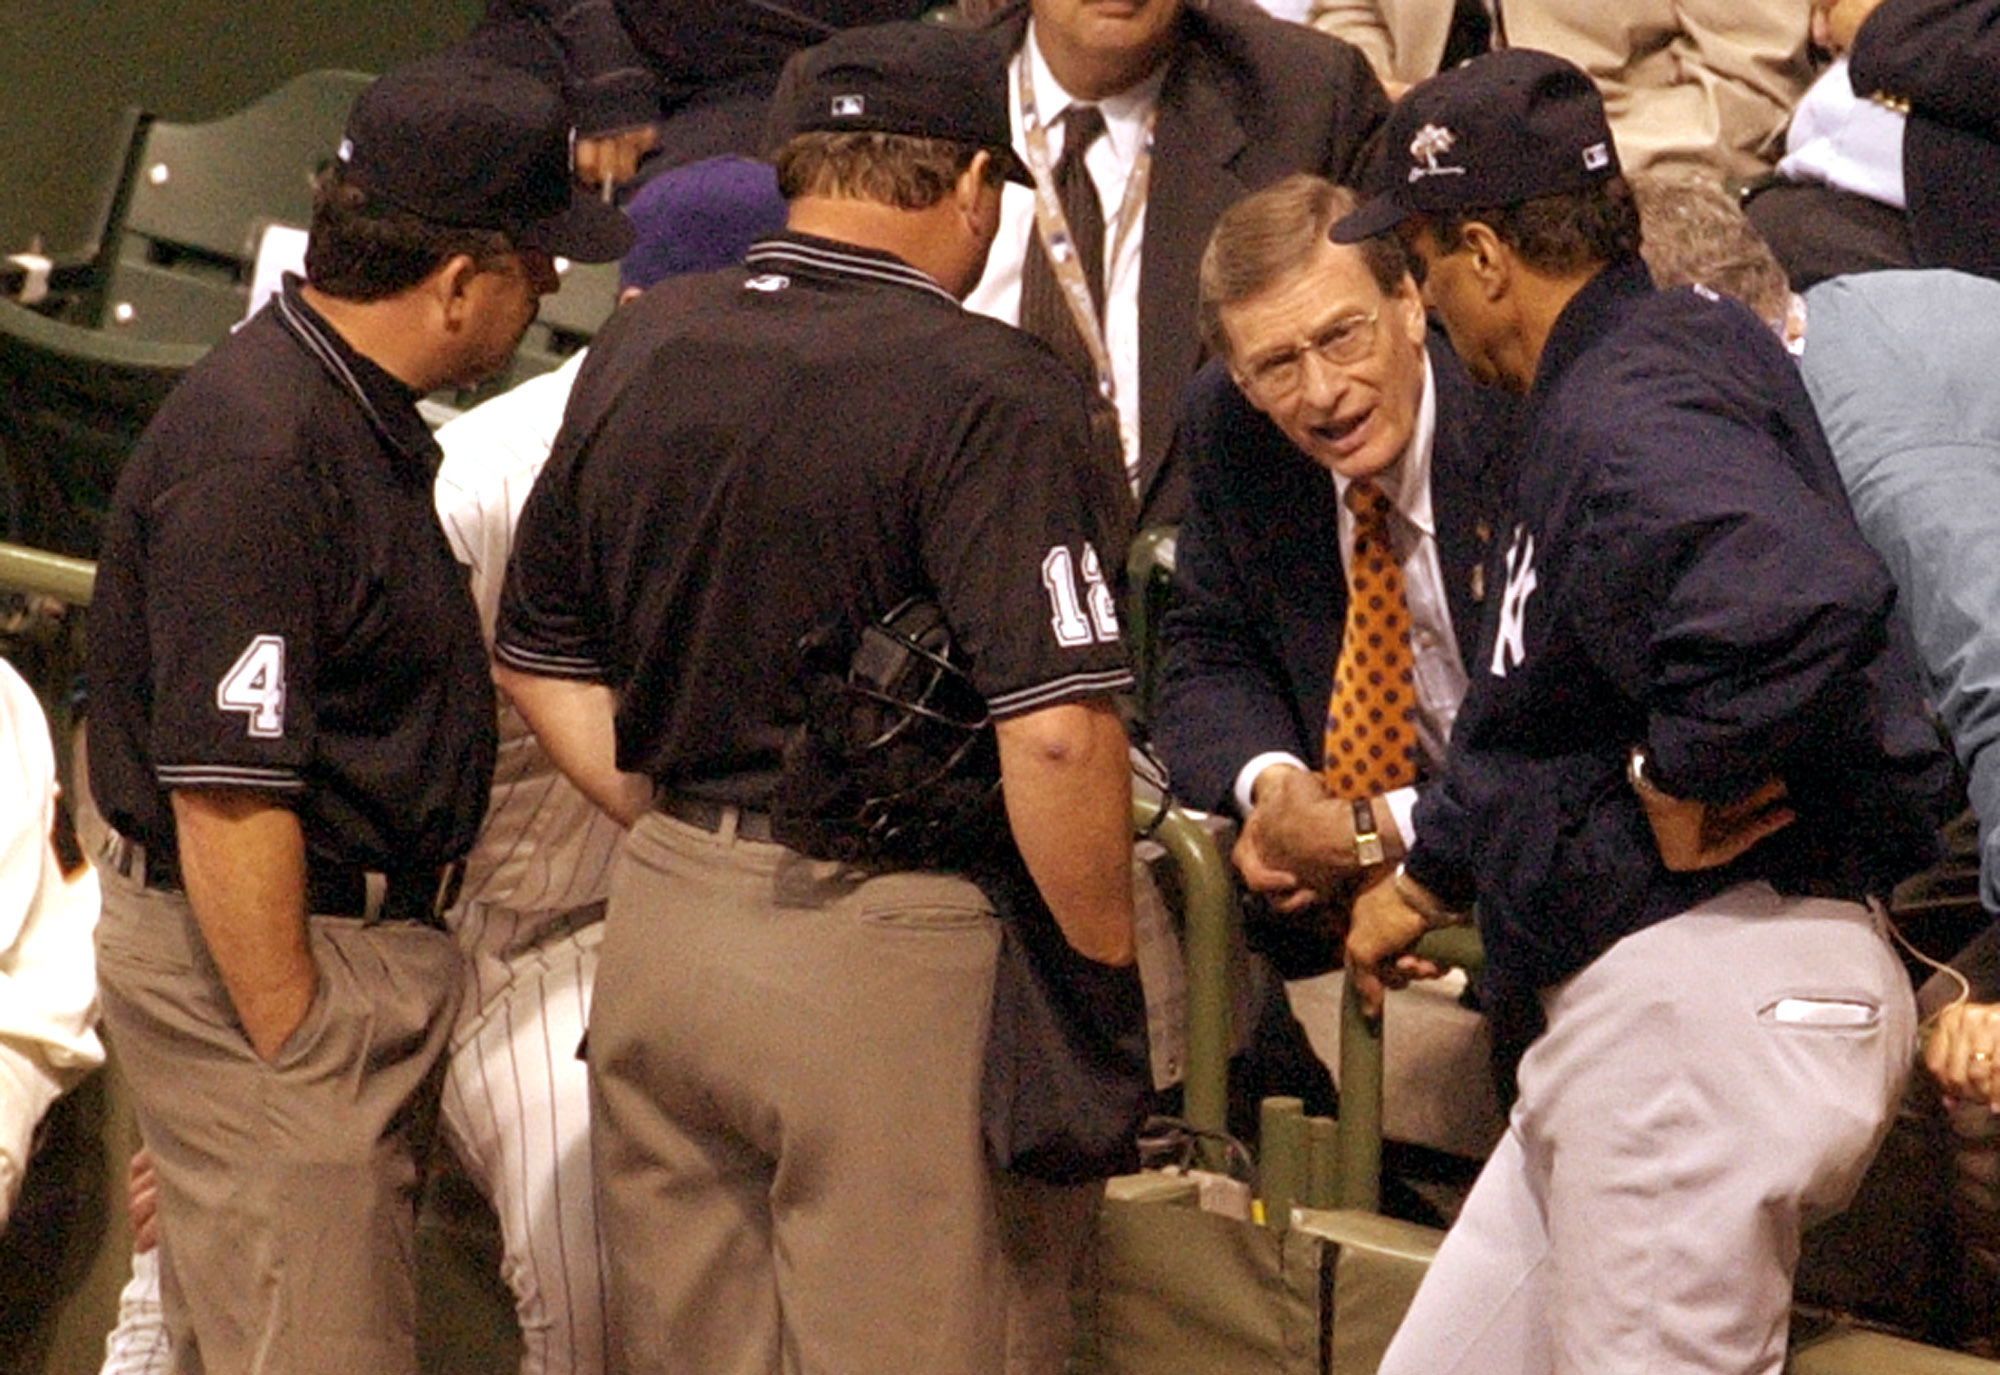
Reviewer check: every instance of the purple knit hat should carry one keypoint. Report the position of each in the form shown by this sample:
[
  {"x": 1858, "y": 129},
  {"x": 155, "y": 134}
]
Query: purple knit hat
[{"x": 700, "y": 217}]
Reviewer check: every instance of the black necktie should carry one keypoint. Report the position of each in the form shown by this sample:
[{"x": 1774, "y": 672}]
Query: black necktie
[{"x": 1044, "y": 311}]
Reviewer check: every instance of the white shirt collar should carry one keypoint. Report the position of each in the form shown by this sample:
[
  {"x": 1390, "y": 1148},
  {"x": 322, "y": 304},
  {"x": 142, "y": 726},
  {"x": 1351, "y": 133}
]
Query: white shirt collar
[
  {"x": 1125, "y": 114},
  {"x": 1407, "y": 481}
]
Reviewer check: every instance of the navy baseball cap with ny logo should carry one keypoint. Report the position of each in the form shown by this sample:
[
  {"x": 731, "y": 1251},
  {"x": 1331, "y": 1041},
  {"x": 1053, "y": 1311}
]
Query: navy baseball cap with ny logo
[{"x": 1502, "y": 129}]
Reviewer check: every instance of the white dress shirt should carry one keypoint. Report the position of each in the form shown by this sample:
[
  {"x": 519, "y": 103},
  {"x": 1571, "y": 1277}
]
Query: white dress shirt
[
  {"x": 1844, "y": 141},
  {"x": 1110, "y": 162},
  {"x": 1440, "y": 673}
]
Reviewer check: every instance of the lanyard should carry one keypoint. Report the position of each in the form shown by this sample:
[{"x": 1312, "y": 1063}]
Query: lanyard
[{"x": 1054, "y": 226}]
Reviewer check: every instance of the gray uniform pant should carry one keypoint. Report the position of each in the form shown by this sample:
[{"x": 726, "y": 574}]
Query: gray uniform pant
[
  {"x": 1704, "y": 1090},
  {"x": 288, "y": 1190},
  {"x": 785, "y": 1063}
]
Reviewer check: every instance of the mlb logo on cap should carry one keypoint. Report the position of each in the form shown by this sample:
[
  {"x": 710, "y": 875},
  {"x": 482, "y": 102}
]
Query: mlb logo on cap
[{"x": 916, "y": 79}]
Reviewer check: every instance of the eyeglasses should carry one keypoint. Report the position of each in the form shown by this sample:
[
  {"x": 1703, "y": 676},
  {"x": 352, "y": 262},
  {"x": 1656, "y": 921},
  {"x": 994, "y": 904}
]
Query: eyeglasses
[{"x": 1344, "y": 342}]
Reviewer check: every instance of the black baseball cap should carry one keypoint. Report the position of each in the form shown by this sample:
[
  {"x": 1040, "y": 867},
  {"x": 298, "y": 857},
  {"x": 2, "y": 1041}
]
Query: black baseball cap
[
  {"x": 926, "y": 80},
  {"x": 1502, "y": 129},
  {"x": 475, "y": 145}
]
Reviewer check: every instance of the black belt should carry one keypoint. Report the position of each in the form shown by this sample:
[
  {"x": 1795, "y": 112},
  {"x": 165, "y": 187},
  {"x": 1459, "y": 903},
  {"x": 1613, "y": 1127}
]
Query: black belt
[
  {"x": 713, "y": 816},
  {"x": 418, "y": 895}
]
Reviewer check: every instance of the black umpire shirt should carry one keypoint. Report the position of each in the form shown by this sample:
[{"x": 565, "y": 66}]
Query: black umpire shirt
[
  {"x": 806, "y": 441},
  {"x": 277, "y": 609}
]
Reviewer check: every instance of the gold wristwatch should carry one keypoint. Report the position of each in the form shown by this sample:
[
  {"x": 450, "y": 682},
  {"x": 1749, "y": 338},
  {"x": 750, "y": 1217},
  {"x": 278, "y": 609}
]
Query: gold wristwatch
[{"x": 1367, "y": 836}]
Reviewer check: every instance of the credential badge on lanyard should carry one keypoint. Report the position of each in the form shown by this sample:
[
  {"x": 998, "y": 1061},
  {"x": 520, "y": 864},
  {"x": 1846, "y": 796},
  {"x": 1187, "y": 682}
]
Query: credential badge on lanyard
[{"x": 1053, "y": 225}]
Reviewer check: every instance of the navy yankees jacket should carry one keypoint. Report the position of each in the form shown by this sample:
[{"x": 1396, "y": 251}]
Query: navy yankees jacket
[{"x": 1679, "y": 568}]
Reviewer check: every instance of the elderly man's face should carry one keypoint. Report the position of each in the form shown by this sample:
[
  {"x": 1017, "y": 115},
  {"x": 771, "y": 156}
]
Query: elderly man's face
[
  {"x": 1139, "y": 30},
  {"x": 1337, "y": 364}
]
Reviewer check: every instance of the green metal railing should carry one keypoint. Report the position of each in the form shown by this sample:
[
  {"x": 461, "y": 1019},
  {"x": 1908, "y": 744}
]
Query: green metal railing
[
  {"x": 1343, "y": 1167},
  {"x": 54, "y": 575}
]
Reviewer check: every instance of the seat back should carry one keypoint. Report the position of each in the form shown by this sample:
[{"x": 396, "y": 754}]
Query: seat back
[
  {"x": 200, "y": 195},
  {"x": 72, "y": 404},
  {"x": 575, "y": 313},
  {"x": 564, "y": 324}
]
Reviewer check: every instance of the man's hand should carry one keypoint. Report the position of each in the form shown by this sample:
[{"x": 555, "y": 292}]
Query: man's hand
[
  {"x": 1961, "y": 1053},
  {"x": 1694, "y": 835},
  {"x": 608, "y": 159},
  {"x": 142, "y": 1199},
  {"x": 1379, "y": 935},
  {"x": 1297, "y": 844}
]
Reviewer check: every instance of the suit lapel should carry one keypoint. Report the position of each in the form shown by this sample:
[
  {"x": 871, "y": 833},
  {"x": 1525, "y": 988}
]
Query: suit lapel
[{"x": 1195, "y": 144}]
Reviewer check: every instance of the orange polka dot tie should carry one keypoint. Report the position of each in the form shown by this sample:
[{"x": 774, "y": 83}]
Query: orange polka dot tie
[{"x": 1371, "y": 731}]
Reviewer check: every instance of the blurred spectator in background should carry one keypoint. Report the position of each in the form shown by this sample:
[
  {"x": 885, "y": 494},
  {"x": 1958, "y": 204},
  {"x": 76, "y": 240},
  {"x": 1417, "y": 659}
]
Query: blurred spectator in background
[
  {"x": 48, "y": 979},
  {"x": 678, "y": 80},
  {"x": 1408, "y": 40},
  {"x": 1694, "y": 233},
  {"x": 1939, "y": 61},
  {"x": 1835, "y": 202},
  {"x": 1697, "y": 83}
]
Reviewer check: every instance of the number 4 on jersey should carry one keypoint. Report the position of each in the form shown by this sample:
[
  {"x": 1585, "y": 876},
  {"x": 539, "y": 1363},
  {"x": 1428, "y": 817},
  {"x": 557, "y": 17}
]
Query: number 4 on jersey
[
  {"x": 1072, "y": 626},
  {"x": 255, "y": 686}
]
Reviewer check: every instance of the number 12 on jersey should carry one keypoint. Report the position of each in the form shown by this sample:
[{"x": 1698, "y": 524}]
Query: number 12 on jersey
[
  {"x": 1072, "y": 625},
  {"x": 255, "y": 686}
]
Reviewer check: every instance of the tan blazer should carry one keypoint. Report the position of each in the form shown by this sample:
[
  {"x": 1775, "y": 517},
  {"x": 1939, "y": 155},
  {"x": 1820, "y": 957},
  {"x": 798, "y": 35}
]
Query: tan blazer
[
  {"x": 1702, "y": 83},
  {"x": 1403, "y": 40},
  {"x": 1686, "y": 82}
]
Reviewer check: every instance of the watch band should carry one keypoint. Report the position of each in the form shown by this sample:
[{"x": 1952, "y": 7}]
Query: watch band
[{"x": 1367, "y": 836}]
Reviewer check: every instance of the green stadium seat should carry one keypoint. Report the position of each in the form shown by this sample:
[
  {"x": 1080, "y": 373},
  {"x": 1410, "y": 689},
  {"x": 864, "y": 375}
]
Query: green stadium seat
[
  {"x": 197, "y": 198},
  {"x": 72, "y": 403}
]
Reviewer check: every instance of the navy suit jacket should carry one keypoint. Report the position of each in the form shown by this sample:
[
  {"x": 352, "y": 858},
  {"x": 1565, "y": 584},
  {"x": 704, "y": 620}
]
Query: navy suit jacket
[
  {"x": 1260, "y": 595},
  {"x": 1246, "y": 100}
]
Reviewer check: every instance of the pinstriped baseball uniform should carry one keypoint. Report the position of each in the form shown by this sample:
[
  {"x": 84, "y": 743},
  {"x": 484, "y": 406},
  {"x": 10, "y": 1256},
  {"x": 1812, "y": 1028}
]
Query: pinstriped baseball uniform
[{"x": 516, "y": 1099}]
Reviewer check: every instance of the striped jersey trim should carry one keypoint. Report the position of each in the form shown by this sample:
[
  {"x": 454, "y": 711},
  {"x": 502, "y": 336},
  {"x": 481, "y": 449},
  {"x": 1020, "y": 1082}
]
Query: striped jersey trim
[
  {"x": 1059, "y": 690},
  {"x": 784, "y": 252},
  {"x": 229, "y": 776},
  {"x": 323, "y": 349},
  {"x": 547, "y": 665}
]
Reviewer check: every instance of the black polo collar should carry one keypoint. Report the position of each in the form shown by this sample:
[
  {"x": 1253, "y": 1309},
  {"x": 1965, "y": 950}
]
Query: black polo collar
[
  {"x": 812, "y": 256},
  {"x": 390, "y": 406}
]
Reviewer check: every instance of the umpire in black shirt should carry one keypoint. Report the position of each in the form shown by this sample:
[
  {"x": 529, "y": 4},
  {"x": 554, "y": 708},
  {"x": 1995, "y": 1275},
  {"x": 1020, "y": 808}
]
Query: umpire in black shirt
[
  {"x": 786, "y": 1050},
  {"x": 294, "y": 729}
]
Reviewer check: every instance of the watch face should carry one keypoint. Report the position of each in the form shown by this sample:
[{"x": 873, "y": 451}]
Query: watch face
[{"x": 1367, "y": 838}]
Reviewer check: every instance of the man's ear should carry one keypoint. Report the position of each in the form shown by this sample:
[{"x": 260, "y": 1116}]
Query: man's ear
[
  {"x": 1409, "y": 299},
  {"x": 451, "y": 283},
  {"x": 1492, "y": 262},
  {"x": 972, "y": 181}
]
